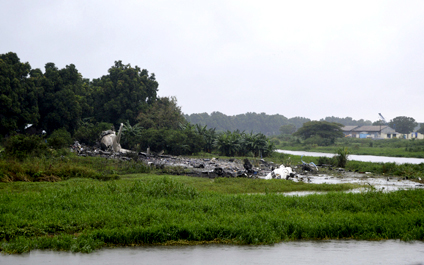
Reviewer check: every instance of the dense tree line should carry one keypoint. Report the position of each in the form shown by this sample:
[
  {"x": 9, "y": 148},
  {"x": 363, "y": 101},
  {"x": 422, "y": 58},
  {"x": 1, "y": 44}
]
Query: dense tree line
[
  {"x": 348, "y": 121},
  {"x": 262, "y": 123},
  {"x": 251, "y": 121},
  {"x": 62, "y": 98},
  {"x": 69, "y": 107}
]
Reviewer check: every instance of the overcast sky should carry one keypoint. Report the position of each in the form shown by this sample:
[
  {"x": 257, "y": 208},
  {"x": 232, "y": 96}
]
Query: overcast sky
[{"x": 296, "y": 58}]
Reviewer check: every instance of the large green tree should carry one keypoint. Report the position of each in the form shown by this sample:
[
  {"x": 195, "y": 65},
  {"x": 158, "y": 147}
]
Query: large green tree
[
  {"x": 403, "y": 124},
  {"x": 324, "y": 129},
  {"x": 161, "y": 113},
  {"x": 288, "y": 129},
  {"x": 18, "y": 94},
  {"x": 122, "y": 94},
  {"x": 59, "y": 102},
  {"x": 421, "y": 129}
]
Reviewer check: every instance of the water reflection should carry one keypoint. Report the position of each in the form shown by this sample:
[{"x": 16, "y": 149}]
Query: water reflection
[{"x": 301, "y": 252}]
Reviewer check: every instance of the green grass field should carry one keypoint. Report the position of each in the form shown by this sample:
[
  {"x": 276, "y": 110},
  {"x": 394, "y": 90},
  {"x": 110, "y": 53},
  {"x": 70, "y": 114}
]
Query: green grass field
[{"x": 82, "y": 214}]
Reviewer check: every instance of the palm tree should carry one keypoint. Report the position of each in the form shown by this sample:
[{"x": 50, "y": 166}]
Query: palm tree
[
  {"x": 131, "y": 134},
  {"x": 210, "y": 138},
  {"x": 228, "y": 143}
]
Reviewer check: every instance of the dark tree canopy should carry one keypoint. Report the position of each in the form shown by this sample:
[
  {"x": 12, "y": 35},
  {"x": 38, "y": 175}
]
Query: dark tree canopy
[
  {"x": 379, "y": 122},
  {"x": 403, "y": 124},
  {"x": 123, "y": 93},
  {"x": 59, "y": 102},
  {"x": 18, "y": 95},
  {"x": 288, "y": 129},
  {"x": 162, "y": 113},
  {"x": 347, "y": 121},
  {"x": 324, "y": 129},
  {"x": 61, "y": 98},
  {"x": 421, "y": 129},
  {"x": 251, "y": 121}
]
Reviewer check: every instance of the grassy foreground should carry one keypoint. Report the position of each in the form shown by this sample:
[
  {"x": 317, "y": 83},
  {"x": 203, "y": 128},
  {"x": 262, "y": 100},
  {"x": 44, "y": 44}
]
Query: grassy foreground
[{"x": 87, "y": 214}]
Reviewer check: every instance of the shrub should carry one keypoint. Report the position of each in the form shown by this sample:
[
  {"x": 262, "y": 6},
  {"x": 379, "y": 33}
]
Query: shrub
[
  {"x": 356, "y": 146},
  {"x": 323, "y": 160},
  {"x": 341, "y": 157},
  {"x": 318, "y": 140},
  {"x": 21, "y": 146},
  {"x": 60, "y": 138}
]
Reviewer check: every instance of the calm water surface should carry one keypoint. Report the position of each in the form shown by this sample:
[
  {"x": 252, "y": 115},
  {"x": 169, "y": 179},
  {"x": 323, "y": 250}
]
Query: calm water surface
[
  {"x": 301, "y": 252},
  {"x": 363, "y": 158}
]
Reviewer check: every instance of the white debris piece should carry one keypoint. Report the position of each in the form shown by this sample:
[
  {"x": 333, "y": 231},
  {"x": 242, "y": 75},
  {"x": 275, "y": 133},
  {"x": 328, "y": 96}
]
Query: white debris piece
[
  {"x": 112, "y": 141},
  {"x": 280, "y": 173}
]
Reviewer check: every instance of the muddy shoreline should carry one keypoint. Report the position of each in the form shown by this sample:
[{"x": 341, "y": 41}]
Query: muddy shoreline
[{"x": 256, "y": 168}]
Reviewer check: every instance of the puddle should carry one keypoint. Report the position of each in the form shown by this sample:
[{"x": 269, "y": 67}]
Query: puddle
[
  {"x": 384, "y": 184},
  {"x": 363, "y": 158}
]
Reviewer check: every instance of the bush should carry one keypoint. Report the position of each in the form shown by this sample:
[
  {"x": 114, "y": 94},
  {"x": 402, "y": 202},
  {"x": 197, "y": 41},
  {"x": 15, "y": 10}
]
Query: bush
[
  {"x": 341, "y": 157},
  {"x": 318, "y": 140},
  {"x": 60, "y": 138},
  {"x": 323, "y": 160},
  {"x": 21, "y": 146}
]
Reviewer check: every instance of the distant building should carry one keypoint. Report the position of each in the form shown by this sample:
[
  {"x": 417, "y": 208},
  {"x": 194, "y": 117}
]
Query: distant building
[
  {"x": 372, "y": 131},
  {"x": 415, "y": 134}
]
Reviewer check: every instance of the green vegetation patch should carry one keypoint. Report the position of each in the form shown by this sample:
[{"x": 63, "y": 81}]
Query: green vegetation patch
[
  {"x": 85, "y": 214},
  {"x": 65, "y": 167},
  {"x": 385, "y": 147}
]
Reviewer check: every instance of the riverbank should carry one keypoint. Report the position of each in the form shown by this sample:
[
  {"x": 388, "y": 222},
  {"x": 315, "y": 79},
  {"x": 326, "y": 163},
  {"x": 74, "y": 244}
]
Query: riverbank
[
  {"x": 70, "y": 165},
  {"x": 384, "y": 147},
  {"x": 317, "y": 252},
  {"x": 84, "y": 214},
  {"x": 391, "y": 152}
]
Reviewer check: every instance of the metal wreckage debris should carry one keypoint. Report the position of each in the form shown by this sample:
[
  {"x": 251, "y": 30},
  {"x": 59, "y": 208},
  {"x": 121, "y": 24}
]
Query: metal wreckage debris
[{"x": 257, "y": 168}]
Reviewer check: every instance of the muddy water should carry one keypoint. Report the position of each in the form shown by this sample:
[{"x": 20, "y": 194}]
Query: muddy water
[
  {"x": 301, "y": 252},
  {"x": 379, "y": 183},
  {"x": 363, "y": 158}
]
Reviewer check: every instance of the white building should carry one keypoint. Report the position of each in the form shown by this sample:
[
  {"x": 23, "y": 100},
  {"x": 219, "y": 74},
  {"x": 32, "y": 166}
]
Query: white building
[{"x": 372, "y": 131}]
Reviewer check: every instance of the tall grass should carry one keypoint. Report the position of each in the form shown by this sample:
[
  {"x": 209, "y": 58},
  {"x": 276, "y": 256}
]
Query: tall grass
[
  {"x": 412, "y": 171},
  {"x": 342, "y": 156},
  {"x": 65, "y": 167},
  {"x": 83, "y": 215}
]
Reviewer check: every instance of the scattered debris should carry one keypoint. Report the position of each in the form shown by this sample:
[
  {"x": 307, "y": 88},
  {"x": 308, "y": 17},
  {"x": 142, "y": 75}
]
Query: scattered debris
[
  {"x": 281, "y": 173},
  {"x": 234, "y": 168},
  {"x": 309, "y": 167}
]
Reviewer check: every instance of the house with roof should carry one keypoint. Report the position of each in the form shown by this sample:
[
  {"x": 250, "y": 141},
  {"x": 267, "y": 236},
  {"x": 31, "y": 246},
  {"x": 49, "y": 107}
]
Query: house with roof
[
  {"x": 370, "y": 131},
  {"x": 415, "y": 134}
]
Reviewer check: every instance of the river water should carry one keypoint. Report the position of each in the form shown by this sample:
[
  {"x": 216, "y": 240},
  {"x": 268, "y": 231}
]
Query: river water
[
  {"x": 363, "y": 158},
  {"x": 300, "y": 252},
  {"x": 385, "y": 184}
]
